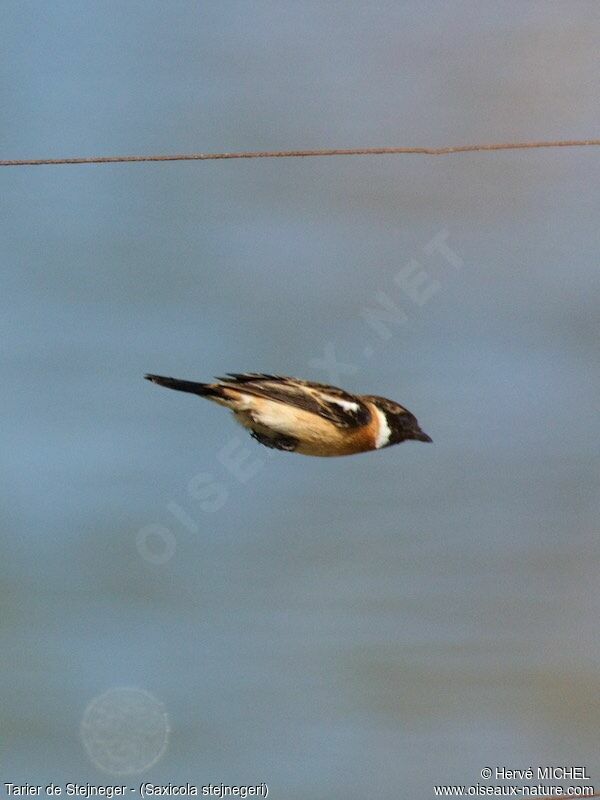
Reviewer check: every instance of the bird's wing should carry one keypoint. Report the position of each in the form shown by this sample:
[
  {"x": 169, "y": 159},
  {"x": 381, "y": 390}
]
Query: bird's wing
[{"x": 345, "y": 410}]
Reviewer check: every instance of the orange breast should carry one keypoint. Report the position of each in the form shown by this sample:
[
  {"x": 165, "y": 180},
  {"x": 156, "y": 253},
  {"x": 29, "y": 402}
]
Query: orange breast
[{"x": 316, "y": 435}]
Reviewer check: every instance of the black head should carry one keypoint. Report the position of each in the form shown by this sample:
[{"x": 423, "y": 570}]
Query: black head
[{"x": 402, "y": 424}]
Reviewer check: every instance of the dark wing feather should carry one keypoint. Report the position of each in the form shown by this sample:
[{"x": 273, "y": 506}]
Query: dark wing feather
[
  {"x": 248, "y": 377},
  {"x": 317, "y": 398}
]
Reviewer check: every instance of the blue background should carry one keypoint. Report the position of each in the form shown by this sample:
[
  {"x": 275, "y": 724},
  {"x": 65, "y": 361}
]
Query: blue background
[{"x": 336, "y": 628}]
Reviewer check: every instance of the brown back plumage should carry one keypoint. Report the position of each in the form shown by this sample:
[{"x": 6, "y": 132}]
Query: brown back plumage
[{"x": 345, "y": 410}]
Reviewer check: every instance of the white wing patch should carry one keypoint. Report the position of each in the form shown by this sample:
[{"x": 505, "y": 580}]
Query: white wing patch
[
  {"x": 347, "y": 405},
  {"x": 384, "y": 432}
]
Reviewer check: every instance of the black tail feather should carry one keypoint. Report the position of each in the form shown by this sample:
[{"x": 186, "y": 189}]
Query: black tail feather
[{"x": 202, "y": 389}]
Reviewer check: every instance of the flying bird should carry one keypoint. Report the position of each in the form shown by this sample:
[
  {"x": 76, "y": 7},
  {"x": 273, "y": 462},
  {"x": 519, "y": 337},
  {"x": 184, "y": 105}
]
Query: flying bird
[{"x": 304, "y": 417}]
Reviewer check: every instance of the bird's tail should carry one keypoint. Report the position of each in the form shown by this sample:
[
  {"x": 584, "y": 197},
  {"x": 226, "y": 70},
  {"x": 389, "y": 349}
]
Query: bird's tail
[{"x": 202, "y": 389}]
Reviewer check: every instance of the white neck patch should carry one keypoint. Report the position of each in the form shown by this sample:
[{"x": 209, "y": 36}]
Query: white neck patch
[{"x": 384, "y": 432}]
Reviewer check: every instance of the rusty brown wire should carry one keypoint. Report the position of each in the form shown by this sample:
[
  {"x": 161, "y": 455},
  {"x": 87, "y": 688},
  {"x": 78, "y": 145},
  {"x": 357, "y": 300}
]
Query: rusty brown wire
[{"x": 351, "y": 151}]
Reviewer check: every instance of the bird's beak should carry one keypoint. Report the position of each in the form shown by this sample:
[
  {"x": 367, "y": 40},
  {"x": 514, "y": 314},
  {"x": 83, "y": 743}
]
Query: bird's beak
[{"x": 423, "y": 437}]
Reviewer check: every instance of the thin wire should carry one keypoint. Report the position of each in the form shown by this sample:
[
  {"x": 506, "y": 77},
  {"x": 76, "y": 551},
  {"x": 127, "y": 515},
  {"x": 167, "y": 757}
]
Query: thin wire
[{"x": 353, "y": 151}]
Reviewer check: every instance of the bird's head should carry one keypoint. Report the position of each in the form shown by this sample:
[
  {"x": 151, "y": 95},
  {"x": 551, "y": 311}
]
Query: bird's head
[{"x": 401, "y": 423}]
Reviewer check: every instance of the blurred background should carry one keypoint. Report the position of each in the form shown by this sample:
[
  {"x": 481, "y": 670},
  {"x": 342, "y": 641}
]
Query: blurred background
[{"x": 334, "y": 628}]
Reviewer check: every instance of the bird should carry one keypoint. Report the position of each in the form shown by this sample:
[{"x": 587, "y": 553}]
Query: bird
[{"x": 313, "y": 419}]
